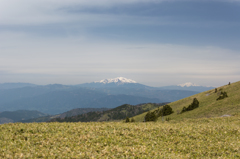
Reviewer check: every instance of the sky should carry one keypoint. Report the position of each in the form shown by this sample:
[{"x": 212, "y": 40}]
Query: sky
[{"x": 154, "y": 42}]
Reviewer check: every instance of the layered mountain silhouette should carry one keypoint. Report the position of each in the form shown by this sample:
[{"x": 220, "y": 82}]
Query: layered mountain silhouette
[{"x": 108, "y": 93}]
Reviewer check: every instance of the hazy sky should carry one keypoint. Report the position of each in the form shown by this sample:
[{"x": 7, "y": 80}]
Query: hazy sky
[{"x": 154, "y": 42}]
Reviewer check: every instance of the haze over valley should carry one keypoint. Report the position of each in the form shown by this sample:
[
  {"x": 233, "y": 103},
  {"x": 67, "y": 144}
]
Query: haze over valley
[{"x": 57, "y": 98}]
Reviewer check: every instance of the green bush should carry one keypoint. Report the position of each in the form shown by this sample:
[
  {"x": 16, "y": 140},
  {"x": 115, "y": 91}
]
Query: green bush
[
  {"x": 150, "y": 116},
  {"x": 127, "y": 120},
  {"x": 166, "y": 110},
  {"x": 194, "y": 105},
  {"x": 222, "y": 96}
]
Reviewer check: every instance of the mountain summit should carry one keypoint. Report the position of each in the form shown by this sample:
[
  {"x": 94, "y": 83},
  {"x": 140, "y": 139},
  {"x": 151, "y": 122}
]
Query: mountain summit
[
  {"x": 115, "y": 82},
  {"x": 118, "y": 80},
  {"x": 188, "y": 84}
]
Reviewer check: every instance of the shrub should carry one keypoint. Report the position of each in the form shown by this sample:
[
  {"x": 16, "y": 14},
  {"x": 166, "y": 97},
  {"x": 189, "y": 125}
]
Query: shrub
[
  {"x": 215, "y": 90},
  {"x": 194, "y": 105},
  {"x": 150, "y": 116},
  {"x": 166, "y": 110},
  {"x": 127, "y": 120},
  {"x": 222, "y": 96},
  {"x": 184, "y": 109}
]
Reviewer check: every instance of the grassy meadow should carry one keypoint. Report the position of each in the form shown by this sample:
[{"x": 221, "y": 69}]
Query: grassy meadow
[{"x": 190, "y": 138}]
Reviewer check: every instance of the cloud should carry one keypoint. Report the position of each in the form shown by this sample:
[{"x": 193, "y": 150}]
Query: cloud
[
  {"x": 103, "y": 38},
  {"x": 56, "y": 17},
  {"x": 33, "y": 12},
  {"x": 49, "y": 11},
  {"x": 70, "y": 56}
]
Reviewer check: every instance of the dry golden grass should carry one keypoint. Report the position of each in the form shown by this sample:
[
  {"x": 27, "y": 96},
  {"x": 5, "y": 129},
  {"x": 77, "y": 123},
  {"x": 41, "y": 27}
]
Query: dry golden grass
[{"x": 192, "y": 138}]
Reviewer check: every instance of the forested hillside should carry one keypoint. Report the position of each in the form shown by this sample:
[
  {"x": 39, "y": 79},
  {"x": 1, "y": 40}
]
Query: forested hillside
[
  {"x": 117, "y": 113},
  {"x": 69, "y": 113}
]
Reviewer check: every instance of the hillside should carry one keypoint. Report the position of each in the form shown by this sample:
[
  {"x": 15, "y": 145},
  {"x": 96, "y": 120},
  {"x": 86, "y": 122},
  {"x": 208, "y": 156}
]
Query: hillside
[
  {"x": 5, "y": 120},
  {"x": 15, "y": 116},
  {"x": 69, "y": 113},
  {"x": 117, "y": 113},
  {"x": 209, "y": 106}
]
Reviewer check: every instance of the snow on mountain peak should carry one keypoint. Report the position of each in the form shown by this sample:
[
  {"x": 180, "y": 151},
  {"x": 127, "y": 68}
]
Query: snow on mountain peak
[
  {"x": 188, "y": 84},
  {"x": 120, "y": 80}
]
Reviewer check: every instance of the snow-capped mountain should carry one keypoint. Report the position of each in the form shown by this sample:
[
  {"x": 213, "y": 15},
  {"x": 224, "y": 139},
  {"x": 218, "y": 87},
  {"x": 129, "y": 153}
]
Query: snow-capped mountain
[
  {"x": 188, "y": 84},
  {"x": 124, "y": 83},
  {"x": 114, "y": 82},
  {"x": 119, "y": 80},
  {"x": 129, "y": 87}
]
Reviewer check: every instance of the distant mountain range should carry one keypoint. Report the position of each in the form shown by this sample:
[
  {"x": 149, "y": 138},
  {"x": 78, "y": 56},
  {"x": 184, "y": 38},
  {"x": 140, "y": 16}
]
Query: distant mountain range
[
  {"x": 188, "y": 87},
  {"x": 59, "y": 101},
  {"x": 108, "y": 93},
  {"x": 15, "y": 85},
  {"x": 129, "y": 83}
]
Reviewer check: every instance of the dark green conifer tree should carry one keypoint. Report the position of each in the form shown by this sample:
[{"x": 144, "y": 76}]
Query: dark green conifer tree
[
  {"x": 127, "y": 120},
  {"x": 166, "y": 110},
  {"x": 153, "y": 116},
  {"x": 150, "y": 116},
  {"x": 147, "y": 117},
  {"x": 194, "y": 105}
]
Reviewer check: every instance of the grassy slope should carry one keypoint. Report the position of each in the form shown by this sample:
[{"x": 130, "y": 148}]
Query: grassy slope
[{"x": 209, "y": 106}]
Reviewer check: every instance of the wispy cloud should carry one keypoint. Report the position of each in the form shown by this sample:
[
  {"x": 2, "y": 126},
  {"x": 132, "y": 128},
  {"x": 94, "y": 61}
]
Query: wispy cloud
[
  {"x": 74, "y": 57},
  {"x": 149, "y": 40},
  {"x": 31, "y": 12}
]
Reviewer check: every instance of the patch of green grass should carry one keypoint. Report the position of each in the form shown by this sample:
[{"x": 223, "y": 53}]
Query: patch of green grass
[{"x": 190, "y": 138}]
